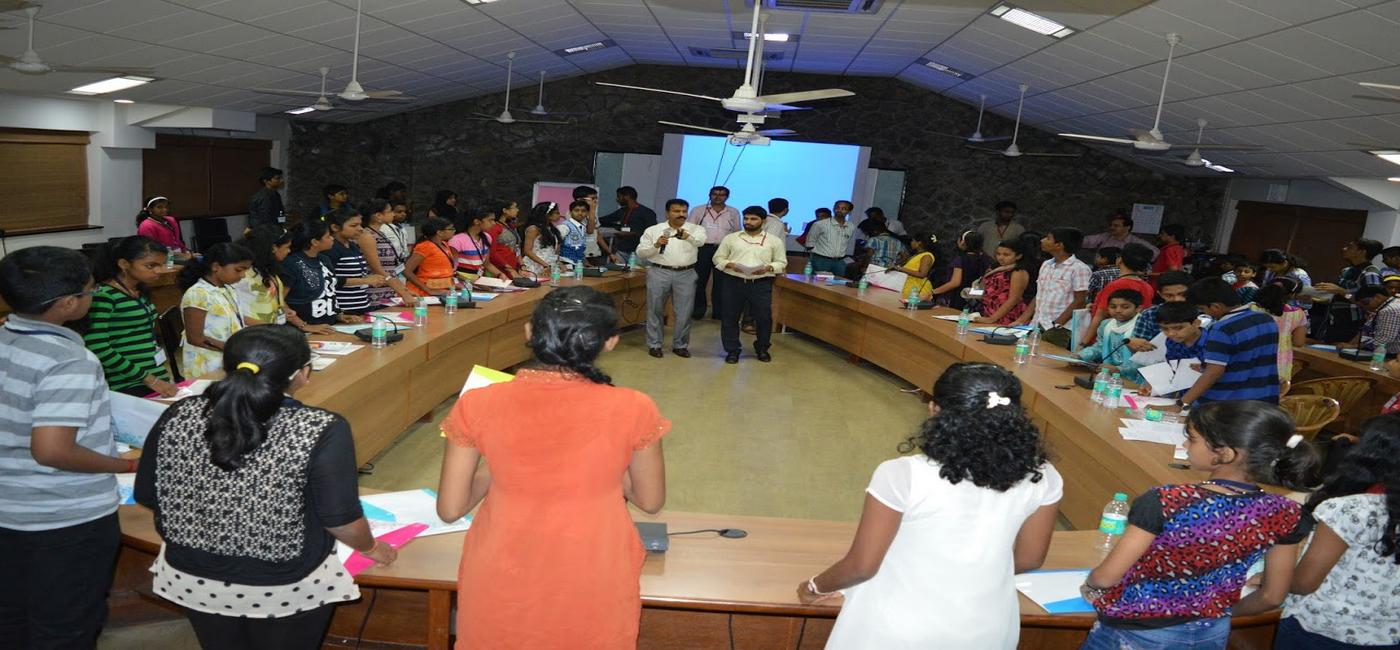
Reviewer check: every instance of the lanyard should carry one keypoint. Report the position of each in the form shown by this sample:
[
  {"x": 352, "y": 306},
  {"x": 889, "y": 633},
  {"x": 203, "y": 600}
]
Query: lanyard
[
  {"x": 227, "y": 294},
  {"x": 627, "y": 216},
  {"x": 150, "y": 313},
  {"x": 755, "y": 243},
  {"x": 708, "y": 213}
]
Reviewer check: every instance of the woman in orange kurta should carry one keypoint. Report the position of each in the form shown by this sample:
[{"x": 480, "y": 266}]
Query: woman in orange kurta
[
  {"x": 552, "y": 559},
  {"x": 432, "y": 265}
]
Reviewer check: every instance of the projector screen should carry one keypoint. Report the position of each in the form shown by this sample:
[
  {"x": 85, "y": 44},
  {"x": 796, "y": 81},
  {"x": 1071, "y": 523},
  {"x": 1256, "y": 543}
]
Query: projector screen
[{"x": 808, "y": 174}]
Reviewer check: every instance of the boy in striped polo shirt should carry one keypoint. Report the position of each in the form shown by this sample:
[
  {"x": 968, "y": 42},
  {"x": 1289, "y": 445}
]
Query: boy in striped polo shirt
[
  {"x": 58, "y": 498},
  {"x": 1241, "y": 348}
]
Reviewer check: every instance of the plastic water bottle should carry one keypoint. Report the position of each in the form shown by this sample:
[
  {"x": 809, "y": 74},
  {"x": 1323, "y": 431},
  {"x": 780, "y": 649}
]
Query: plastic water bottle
[
  {"x": 912, "y": 301},
  {"x": 1378, "y": 359},
  {"x": 420, "y": 314},
  {"x": 578, "y": 270},
  {"x": 862, "y": 286},
  {"x": 632, "y": 262},
  {"x": 1100, "y": 386},
  {"x": 1113, "y": 523},
  {"x": 449, "y": 303},
  {"x": 554, "y": 274},
  {"x": 1023, "y": 351},
  {"x": 377, "y": 335},
  {"x": 1114, "y": 398},
  {"x": 807, "y": 271},
  {"x": 1033, "y": 340},
  {"x": 964, "y": 321},
  {"x": 170, "y": 261}
]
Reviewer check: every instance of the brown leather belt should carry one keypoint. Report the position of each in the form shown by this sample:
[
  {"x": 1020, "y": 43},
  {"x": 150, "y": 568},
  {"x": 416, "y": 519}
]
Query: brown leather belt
[{"x": 672, "y": 268}]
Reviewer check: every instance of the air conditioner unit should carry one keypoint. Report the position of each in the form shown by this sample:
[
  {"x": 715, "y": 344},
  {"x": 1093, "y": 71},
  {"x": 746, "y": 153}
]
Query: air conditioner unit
[{"x": 832, "y": 6}]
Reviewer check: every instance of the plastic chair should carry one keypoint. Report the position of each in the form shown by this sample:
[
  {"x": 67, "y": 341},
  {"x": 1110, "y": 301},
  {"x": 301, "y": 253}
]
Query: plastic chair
[
  {"x": 1310, "y": 412},
  {"x": 1348, "y": 391},
  {"x": 171, "y": 325}
]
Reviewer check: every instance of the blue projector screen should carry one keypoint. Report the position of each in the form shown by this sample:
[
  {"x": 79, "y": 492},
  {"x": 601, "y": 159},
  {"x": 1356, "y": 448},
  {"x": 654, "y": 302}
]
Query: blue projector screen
[{"x": 808, "y": 174}]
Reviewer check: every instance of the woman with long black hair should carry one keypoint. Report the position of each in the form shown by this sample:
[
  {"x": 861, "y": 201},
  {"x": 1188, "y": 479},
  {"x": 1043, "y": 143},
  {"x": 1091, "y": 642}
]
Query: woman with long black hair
[
  {"x": 542, "y": 240},
  {"x": 250, "y": 489},
  {"x": 120, "y": 325},
  {"x": 210, "y": 306}
]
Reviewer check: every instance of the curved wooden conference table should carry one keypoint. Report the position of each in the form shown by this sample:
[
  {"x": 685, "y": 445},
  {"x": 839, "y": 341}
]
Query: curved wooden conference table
[{"x": 707, "y": 588}]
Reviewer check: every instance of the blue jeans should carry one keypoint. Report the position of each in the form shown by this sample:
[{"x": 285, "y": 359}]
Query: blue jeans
[
  {"x": 833, "y": 265},
  {"x": 1200, "y": 634}
]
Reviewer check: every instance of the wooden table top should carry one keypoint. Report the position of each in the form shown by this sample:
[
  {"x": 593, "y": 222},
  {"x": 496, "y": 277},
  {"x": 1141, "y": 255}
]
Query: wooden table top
[{"x": 756, "y": 574}]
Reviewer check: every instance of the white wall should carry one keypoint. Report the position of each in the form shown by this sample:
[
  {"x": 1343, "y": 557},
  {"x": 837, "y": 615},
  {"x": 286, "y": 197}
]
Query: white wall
[
  {"x": 114, "y": 161},
  {"x": 1381, "y": 219}
]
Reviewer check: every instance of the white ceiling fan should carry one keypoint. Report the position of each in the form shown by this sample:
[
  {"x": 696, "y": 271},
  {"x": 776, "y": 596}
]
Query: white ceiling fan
[
  {"x": 746, "y": 98},
  {"x": 353, "y": 91},
  {"x": 505, "y": 117},
  {"x": 1013, "y": 151},
  {"x": 977, "y": 136},
  {"x": 1152, "y": 140},
  {"x": 324, "y": 102},
  {"x": 747, "y": 134},
  {"x": 30, "y": 63},
  {"x": 539, "y": 110}
]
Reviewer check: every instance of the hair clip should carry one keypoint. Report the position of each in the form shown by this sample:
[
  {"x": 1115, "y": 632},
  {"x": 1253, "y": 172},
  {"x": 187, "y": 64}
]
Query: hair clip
[
  {"x": 249, "y": 366},
  {"x": 994, "y": 400},
  {"x": 1293, "y": 440}
]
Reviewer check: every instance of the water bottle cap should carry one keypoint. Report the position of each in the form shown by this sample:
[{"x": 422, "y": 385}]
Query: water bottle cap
[{"x": 1119, "y": 496}]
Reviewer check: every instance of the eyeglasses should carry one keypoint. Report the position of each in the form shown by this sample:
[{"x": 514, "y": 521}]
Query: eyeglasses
[{"x": 80, "y": 294}]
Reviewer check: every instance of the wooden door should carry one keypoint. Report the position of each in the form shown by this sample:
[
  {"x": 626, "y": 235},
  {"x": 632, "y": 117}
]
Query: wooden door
[{"x": 1317, "y": 235}]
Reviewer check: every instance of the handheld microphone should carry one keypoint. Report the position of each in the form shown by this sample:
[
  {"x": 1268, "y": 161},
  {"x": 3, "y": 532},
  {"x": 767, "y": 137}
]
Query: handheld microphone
[{"x": 662, "y": 248}]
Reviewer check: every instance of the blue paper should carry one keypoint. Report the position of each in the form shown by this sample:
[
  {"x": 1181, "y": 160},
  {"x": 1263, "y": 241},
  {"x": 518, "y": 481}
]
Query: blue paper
[
  {"x": 1069, "y": 606},
  {"x": 1325, "y": 348},
  {"x": 375, "y": 512}
]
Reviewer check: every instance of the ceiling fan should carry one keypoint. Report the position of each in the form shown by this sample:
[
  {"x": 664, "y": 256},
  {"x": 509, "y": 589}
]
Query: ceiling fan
[
  {"x": 746, "y": 98},
  {"x": 353, "y": 91},
  {"x": 747, "y": 134},
  {"x": 324, "y": 102},
  {"x": 539, "y": 109},
  {"x": 977, "y": 136},
  {"x": 505, "y": 117},
  {"x": 1152, "y": 140},
  {"x": 1014, "y": 151},
  {"x": 30, "y": 63}
]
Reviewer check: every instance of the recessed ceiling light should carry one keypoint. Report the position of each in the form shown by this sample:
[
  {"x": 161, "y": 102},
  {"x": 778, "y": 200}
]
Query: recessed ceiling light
[
  {"x": 947, "y": 69},
  {"x": 478, "y": 2},
  {"x": 771, "y": 38},
  {"x": 1388, "y": 155},
  {"x": 111, "y": 85},
  {"x": 1032, "y": 21},
  {"x": 1394, "y": 179},
  {"x": 124, "y": 101},
  {"x": 299, "y": 111},
  {"x": 586, "y": 47}
]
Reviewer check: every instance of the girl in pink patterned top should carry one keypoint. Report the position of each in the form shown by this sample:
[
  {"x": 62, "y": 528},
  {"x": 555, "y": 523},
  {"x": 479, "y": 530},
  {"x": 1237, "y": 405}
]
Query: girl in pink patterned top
[
  {"x": 1276, "y": 298},
  {"x": 1005, "y": 285},
  {"x": 155, "y": 222}
]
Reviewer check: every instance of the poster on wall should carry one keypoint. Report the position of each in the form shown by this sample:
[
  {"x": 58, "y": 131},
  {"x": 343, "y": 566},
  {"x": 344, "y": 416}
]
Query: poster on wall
[
  {"x": 1147, "y": 218},
  {"x": 560, "y": 193}
]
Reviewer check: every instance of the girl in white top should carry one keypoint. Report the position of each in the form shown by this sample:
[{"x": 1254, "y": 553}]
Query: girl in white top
[
  {"x": 944, "y": 531},
  {"x": 210, "y": 307},
  {"x": 1346, "y": 589}
]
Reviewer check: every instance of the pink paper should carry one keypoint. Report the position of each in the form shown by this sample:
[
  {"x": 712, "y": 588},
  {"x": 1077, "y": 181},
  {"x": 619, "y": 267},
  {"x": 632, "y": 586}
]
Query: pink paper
[
  {"x": 406, "y": 315},
  {"x": 183, "y": 384},
  {"x": 357, "y": 562}
]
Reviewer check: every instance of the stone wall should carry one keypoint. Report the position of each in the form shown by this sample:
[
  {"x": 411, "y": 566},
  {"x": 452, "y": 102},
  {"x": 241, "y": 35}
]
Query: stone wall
[{"x": 948, "y": 186}]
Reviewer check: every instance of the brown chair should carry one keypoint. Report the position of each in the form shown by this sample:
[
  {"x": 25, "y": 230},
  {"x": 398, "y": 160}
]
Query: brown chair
[
  {"x": 1310, "y": 412},
  {"x": 1299, "y": 367},
  {"x": 171, "y": 326},
  {"x": 1348, "y": 391}
]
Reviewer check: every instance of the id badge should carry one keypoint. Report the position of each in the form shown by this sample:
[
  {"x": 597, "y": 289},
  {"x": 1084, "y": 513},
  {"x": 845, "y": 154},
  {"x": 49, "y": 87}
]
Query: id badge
[
  {"x": 160, "y": 356},
  {"x": 625, "y": 229}
]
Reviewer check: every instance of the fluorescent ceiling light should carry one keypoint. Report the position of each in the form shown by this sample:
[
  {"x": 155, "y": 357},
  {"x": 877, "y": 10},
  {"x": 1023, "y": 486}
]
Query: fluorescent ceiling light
[
  {"x": 1394, "y": 179},
  {"x": 1388, "y": 155},
  {"x": 771, "y": 38},
  {"x": 1032, "y": 21},
  {"x": 478, "y": 2},
  {"x": 947, "y": 69},
  {"x": 586, "y": 47},
  {"x": 124, "y": 101},
  {"x": 111, "y": 85},
  {"x": 1219, "y": 168},
  {"x": 299, "y": 111}
]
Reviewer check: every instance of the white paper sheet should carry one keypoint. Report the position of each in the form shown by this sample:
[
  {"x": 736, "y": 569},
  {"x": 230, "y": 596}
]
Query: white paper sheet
[
  {"x": 411, "y": 507},
  {"x": 334, "y": 348},
  {"x": 1057, "y": 591},
  {"x": 879, "y": 276},
  {"x": 1166, "y": 433},
  {"x": 126, "y": 488},
  {"x": 133, "y": 417},
  {"x": 1153, "y": 356},
  {"x": 1170, "y": 376}
]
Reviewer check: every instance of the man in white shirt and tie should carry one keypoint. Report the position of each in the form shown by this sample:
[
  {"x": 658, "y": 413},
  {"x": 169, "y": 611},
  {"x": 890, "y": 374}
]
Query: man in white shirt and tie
[
  {"x": 718, "y": 220},
  {"x": 671, "y": 248},
  {"x": 747, "y": 261}
]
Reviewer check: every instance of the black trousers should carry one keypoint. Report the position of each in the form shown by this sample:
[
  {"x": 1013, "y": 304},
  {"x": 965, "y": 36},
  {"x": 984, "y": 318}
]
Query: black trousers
[
  {"x": 739, "y": 294},
  {"x": 54, "y": 584},
  {"x": 704, "y": 269},
  {"x": 303, "y": 631}
]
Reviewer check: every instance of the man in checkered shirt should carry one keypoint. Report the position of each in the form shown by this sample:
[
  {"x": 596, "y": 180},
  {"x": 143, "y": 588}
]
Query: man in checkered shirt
[
  {"x": 1383, "y": 325},
  {"x": 1063, "y": 285}
]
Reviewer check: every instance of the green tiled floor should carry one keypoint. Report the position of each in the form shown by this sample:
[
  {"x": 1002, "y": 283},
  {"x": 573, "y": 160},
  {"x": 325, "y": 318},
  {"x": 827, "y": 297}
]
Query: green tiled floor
[{"x": 797, "y": 437}]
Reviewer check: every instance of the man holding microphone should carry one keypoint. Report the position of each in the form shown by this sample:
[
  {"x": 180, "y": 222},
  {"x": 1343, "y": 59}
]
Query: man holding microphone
[{"x": 670, "y": 249}]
